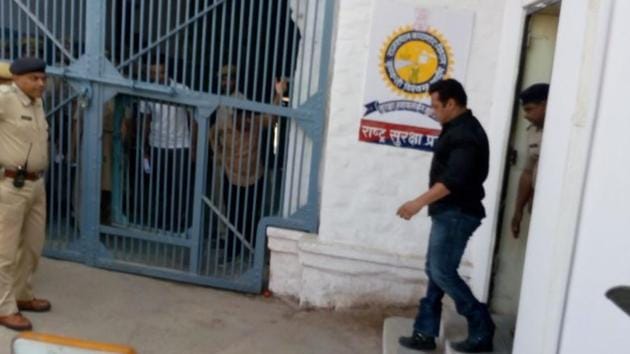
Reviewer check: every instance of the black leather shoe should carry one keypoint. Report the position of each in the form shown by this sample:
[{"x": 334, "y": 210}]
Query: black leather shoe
[
  {"x": 418, "y": 341},
  {"x": 473, "y": 345}
]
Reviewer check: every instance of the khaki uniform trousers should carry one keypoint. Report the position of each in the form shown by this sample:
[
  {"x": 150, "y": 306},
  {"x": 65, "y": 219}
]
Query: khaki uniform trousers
[{"x": 22, "y": 234}]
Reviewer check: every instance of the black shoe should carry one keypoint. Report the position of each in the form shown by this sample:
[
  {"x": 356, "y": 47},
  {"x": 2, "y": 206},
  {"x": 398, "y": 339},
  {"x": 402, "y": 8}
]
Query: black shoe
[
  {"x": 418, "y": 341},
  {"x": 473, "y": 345}
]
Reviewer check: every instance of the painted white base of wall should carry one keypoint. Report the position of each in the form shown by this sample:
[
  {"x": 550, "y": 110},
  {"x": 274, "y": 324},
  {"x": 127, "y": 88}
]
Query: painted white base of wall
[{"x": 335, "y": 275}]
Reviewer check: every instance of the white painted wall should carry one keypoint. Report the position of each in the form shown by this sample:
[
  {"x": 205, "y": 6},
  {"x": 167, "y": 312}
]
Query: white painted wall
[
  {"x": 592, "y": 324},
  {"x": 363, "y": 183},
  {"x": 562, "y": 307}
]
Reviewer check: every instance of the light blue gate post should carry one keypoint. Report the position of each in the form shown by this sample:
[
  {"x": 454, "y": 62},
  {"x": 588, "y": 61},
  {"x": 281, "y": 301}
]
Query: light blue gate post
[
  {"x": 307, "y": 217},
  {"x": 201, "y": 117},
  {"x": 320, "y": 102},
  {"x": 92, "y": 133}
]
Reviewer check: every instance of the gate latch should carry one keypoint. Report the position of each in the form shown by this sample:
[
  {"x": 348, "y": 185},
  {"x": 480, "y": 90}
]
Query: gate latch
[{"x": 84, "y": 97}]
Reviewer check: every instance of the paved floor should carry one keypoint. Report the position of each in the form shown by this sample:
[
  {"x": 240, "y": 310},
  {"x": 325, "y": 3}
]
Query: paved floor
[{"x": 157, "y": 316}]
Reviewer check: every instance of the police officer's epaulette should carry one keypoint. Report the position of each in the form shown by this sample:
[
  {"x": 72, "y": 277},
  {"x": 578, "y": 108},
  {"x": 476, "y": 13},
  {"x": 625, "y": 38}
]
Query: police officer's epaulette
[{"x": 6, "y": 89}]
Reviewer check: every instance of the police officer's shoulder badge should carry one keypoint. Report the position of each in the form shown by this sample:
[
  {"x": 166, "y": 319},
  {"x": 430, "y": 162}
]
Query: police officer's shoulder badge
[
  {"x": 6, "y": 89},
  {"x": 411, "y": 60}
]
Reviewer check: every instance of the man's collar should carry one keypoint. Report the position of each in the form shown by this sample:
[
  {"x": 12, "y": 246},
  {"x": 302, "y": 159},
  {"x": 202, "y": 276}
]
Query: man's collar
[
  {"x": 26, "y": 101},
  {"x": 458, "y": 119}
]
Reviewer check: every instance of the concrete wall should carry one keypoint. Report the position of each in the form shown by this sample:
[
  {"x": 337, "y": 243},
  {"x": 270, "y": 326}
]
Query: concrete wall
[{"x": 363, "y": 184}]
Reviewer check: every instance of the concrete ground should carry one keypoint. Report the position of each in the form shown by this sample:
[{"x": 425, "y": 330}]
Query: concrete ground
[{"x": 156, "y": 316}]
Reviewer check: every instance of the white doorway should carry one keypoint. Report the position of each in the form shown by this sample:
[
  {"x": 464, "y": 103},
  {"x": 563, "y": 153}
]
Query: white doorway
[{"x": 539, "y": 43}]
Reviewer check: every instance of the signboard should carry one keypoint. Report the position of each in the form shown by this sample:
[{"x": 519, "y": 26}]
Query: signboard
[{"x": 410, "y": 48}]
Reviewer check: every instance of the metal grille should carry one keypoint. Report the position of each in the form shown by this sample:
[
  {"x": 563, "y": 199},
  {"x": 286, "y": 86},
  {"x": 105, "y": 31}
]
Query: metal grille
[
  {"x": 52, "y": 30},
  {"x": 179, "y": 130},
  {"x": 196, "y": 39},
  {"x": 62, "y": 177}
]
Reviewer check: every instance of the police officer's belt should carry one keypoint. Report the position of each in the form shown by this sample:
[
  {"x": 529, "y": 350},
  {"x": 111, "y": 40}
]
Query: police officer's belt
[{"x": 30, "y": 176}]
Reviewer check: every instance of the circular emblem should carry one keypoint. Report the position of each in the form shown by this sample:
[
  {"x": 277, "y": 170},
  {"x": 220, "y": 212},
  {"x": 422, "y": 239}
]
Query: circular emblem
[{"x": 412, "y": 60}]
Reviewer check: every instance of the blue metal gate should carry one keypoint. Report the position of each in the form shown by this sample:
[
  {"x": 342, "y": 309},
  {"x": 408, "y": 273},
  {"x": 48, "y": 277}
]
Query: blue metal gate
[{"x": 179, "y": 130}]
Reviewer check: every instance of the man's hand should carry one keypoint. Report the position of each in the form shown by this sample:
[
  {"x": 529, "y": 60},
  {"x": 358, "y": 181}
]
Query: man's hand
[
  {"x": 413, "y": 207},
  {"x": 516, "y": 223},
  {"x": 409, "y": 209},
  {"x": 281, "y": 87}
]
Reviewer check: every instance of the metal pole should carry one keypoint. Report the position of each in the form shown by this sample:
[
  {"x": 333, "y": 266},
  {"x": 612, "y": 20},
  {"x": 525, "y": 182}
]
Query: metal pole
[{"x": 90, "y": 148}]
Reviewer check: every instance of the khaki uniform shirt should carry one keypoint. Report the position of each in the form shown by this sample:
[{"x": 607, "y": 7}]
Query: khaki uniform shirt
[
  {"x": 236, "y": 146},
  {"x": 22, "y": 126},
  {"x": 238, "y": 149},
  {"x": 534, "y": 140}
]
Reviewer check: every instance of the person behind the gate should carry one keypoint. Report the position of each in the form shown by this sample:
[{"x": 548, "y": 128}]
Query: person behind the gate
[
  {"x": 106, "y": 161},
  {"x": 236, "y": 146},
  {"x": 169, "y": 141},
  {"x": 24, "y": 158}
]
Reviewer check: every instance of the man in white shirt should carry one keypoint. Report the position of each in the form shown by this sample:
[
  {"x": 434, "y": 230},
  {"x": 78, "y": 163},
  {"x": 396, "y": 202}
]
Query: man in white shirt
[{"x": 169, "y": 152}]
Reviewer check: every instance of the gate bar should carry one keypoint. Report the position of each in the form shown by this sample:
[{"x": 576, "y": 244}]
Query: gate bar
[
  {"x": 90, "y": 176},
  {"x": 169, "y": 34},
  {"x": 43, "y": 28}
]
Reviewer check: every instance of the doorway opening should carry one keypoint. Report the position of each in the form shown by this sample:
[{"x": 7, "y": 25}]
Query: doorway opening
[{"x": 537, "y": 55}]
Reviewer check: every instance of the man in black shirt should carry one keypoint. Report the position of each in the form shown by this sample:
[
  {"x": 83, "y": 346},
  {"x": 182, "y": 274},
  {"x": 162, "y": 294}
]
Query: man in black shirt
[{"x": 458, "y": 170}]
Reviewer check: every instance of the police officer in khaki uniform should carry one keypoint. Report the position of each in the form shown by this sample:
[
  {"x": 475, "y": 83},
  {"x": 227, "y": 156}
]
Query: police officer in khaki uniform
[
  {"x": 23, "y": 159},
  {"x": 534, "y": 102}
]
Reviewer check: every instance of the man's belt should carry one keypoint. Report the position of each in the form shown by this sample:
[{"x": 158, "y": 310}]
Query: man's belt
[{"x": 30, "y": 176}]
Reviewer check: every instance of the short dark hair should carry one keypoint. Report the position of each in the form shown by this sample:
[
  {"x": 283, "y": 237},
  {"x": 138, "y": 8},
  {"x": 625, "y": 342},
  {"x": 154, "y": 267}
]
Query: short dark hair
[
  {"x": 536, "y": 93},
  {"x": 450, "y": 88},
  {"x": 155, "y": 60}
]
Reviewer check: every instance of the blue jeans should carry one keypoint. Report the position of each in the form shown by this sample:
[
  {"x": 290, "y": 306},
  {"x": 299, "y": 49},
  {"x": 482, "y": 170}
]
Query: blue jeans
[{"x": 450, "y": 232}]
